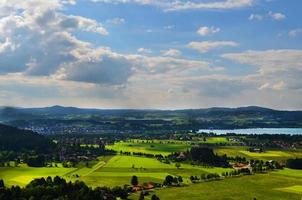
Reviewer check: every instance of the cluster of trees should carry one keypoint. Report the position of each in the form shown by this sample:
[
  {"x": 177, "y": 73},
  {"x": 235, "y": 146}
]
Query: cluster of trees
[
  {"x": 170, "y": 180},
  {"x": 203, "y": 156},
  {"x": 143, "y": 194},
  {"x": 58, "y": 188},
  {"x": 205, "y": 177},
  {"x": 244, "y": 171},
  {"x": 294, "y": 163},
  {"x": 259, "y": 166},
  {"x": 237, "y": 159}
]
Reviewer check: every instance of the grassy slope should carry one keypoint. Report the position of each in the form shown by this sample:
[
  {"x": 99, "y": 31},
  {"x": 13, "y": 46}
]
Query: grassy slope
[
  {"x": 109, "y": 172},
  {"x": 156, "y": 147},
  {"x": 264, "y": 187},
  {"x": 268, "y": 155},
  {"x": 23, "y": 174}
]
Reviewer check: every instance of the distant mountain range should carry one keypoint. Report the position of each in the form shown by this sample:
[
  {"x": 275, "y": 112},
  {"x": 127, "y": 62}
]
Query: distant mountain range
[{"x": 131, "y": 119}]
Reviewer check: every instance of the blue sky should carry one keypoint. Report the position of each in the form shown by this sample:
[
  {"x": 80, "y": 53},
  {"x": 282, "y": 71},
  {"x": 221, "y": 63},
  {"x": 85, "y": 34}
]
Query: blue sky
[{"x": 151, "y": 53}]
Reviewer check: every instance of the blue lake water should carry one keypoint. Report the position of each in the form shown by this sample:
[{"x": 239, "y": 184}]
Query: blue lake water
[{"x": 291, "y": 131}]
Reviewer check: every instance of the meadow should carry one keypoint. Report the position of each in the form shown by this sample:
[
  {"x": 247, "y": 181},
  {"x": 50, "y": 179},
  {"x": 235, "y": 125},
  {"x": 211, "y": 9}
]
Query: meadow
[
  {"x": 164, "y": 147},
  {"x": 270, "y": 154},
  {"x": 117, "y": 171},
  {"x": 261, "y": 186}
]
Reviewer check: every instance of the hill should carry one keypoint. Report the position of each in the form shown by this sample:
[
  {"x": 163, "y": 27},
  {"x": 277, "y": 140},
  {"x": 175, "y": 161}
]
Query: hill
[
  {"x": 58, "y": 119},
  {"x": 14, "y": 139}
]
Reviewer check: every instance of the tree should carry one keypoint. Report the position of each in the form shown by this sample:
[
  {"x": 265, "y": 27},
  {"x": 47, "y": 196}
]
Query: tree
[
  {"x": 180, "y": 179},
  {"x": 1, "y": 183},
  {"x": 141, "y": 196},
  {"x": 154, "y": 197},
  {"x": 177, "y": 165},
  {"x": 134, "y": 180},
  {"x": 169, "y": 179}
]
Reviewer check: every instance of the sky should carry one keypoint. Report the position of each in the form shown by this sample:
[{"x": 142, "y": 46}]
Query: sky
[{"x": 151, "y": 54}]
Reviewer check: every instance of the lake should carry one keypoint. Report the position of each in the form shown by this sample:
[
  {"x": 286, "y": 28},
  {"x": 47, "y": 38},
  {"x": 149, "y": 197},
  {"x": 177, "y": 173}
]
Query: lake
[{"x": 291, "y": 131}]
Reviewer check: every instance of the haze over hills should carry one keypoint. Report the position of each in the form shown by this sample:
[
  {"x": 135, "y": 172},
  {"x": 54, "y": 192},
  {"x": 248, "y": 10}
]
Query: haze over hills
[{"x": 59, "y": 119}]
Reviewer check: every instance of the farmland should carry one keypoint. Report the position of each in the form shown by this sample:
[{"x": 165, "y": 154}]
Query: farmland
[
  {"x": 111, "y": 171},
  {"x": 117, "y": 170}
]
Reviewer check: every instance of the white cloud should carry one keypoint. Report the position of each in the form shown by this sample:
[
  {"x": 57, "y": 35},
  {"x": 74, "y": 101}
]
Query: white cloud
[
  {"x": 169, "y": 27},
  {"x": 276, "y": 16},
  {"x": 270, "y": 15},
  {"x": 171, "y": 52},
  {"x": 255, "y": 17},
  {"x": 295, "y": 32},
  {"x": 206, "y": 46},
  {"x": 101, "y": 67},
  {"x": 276, "y": 69},
  {"x": 116, "y": 21},
  {"x": 205, "y": 31},
  {"x": 40, "y": 41},
  {"x": 175, "y": 5},
  {"x": 166, "y": 66},
  {"x": 144, "y": 50}
]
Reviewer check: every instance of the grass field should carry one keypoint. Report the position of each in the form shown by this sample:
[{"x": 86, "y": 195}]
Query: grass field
[
  {"x": 292, "y": 189},
  {"x": 23, "y": 174},
  {"x": 215, "y": 140},
  {"x": 117, "y": 171},
  {"x": 164, "y": 147},
  {"x": 109, "y": 171},
  {"x": 290, "y": 173},
  {"x": 153, "y": 147},
  {"x": 263, "y": 187},
  {"x": 267, "y": 155}
]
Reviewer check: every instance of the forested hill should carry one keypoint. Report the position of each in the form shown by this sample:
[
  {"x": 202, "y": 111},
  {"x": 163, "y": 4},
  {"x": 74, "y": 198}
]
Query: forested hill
[
  {"x": 14, "y": 139},
  {"x": 58, "y": 119}
]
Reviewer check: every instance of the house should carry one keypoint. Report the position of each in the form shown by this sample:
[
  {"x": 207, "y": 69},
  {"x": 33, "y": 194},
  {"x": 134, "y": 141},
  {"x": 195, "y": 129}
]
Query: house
[
  {"x": 181, "y": 156},
  {"x": 241, "y": 166},
  {"x": 145, "y": 186}
]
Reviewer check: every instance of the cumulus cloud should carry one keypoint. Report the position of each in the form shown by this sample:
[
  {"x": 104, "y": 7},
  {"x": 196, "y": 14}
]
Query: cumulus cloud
[
  {"x": 165, "y": 65},
  {"x": 205, "y": 30},
  {"x": 276, "y": 69},
  {"x": 206, "y": 46},
  {"x": 108, "y": 69},
  {"x": 171, "y": 52},
  {"x": 176, "y": 5},
  {"x": 37, "y": 39}
]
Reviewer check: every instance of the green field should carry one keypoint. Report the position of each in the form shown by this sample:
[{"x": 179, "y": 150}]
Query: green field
[
  {"x": 109, "y": 171},
  {"x": 263, "y": 187},
  {"x": 164, "y": 147},
  {"x": 151, "y": 147},
  {"x": 267, "y": 155},
  {"x": 23, "y": 174},
  {"x": 117, "y": 171}
]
